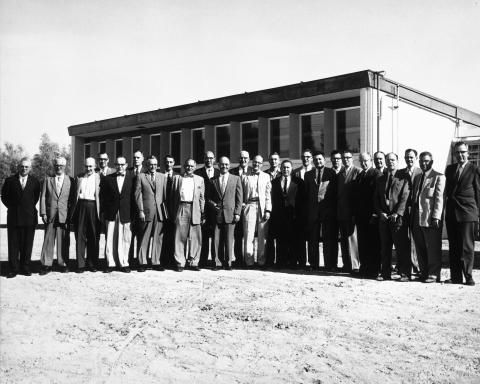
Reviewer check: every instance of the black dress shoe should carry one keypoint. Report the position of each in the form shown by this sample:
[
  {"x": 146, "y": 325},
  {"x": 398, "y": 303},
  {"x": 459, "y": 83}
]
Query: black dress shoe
[
  {"x": 108, "y": 270},
  {"x": 215, "y": 268},
  {"x": 26, "y": 272},
  {"x": 450, "y": 281},
  {"x": 92, "y": 269},
  {"x": 158, "y": 268},
  {"x": 194, "y": 268},
  {"x": 125, "y": 270},
  {"x": 470, "y": 282},
  {"x": 11, "y": 275},
  {"x": 80, "y": 270},
  {"x": 141, "y": 269},
  {"x": 64, "y": 270},
  {"x": 178, "y": 269},
  {"x": 227, "y": 268},
  {"x": 44, "y": 271}
]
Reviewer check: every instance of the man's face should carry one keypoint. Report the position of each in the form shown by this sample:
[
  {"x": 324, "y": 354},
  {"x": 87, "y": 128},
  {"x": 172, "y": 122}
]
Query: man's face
[
  {"x": 189, "y": 167},
  {"x": 24, "y": 168},
  {"x": 121, "y": 165},
  {"x": 169, "y": 163},
  {"x": 319, "y": 161},
  {"x": 59, "y": 168},
  {"x": 89, "y": 167},
  {"x": 347, "y": 159},
  {"x": 274, "y": 160},
  {"x": 379, "y": 161},
  {"x": 410, "y": 159},
  {"x": 103, "y": 161},
  {"x": 306, "y": 159},
  {"x": 461, "y": 154},
  {"x": 137, "y": 159},
  {"x": 286, "y": 169},
  {"x": 365, "y": 162},
  {"x": 336, "y": 160},
  {"x": 391, "y": 162},
  {"x": 257, "y": 163},
  {"x": 243, "y": 159},
  {"x": 152, "y": 165},
  {"x": 224, "y": 165},
  {"x": 209, "y": 159},
  {"x": 426, "y": 163}
]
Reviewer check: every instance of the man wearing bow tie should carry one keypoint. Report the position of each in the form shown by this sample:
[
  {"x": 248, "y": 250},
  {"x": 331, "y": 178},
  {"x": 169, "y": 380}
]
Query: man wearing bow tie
[
  {"x": 20, "y": 194},
  {"x": 117, "y": 208},
  {"x": 56, "y": 202},
  {"x": 150, "y": 194},
  {"x": 426, "y": 216}
]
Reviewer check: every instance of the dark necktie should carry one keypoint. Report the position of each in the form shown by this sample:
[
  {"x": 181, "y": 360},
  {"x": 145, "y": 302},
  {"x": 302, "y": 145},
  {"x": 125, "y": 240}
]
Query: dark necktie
[
  {"x": 422, "y": 179},
  {"x": 169, "y": 185},
  {"x": 389, "y": 185},
  {"x": 285, "y": 186}
]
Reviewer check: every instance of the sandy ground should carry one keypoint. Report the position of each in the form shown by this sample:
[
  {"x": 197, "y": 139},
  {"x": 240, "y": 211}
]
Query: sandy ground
[{"x": 235, "y": 327}]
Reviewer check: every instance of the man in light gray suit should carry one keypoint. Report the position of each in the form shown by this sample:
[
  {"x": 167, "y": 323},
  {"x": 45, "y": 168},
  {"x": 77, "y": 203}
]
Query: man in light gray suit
[
  {"x": 57, "y": 198},
  {"x": 150, "y": 194},
  {"x": 426, "y": 216}
]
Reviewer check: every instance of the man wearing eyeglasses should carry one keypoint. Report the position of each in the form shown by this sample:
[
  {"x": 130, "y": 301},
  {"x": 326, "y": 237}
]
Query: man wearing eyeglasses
[
  {"x": 57, "y": 199},
  {"x": 462, "y": 195},
  {"x": 103, "y": 168},
  {"x": 116, "y": 199},
  {"x": 306, "y": 165}
]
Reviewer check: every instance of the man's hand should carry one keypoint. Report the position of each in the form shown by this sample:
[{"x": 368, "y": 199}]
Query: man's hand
[
  {"x": 266, "y": 216},
  {"x": 383, "y": 217},
  {"x": 393, "y": 218},
  {"x": 435, "y": 223},
  {"x": 236, "y": 218},
  {"x": 141, "y": 216},
  {"x": 44, "y": 219}
]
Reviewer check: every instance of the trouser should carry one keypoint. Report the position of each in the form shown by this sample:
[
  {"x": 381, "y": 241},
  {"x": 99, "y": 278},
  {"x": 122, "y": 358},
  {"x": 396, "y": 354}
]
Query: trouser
[
  {"x": 392, "y": 234},
  {"x": 151, "y": 230},
  {"x": 207, "y": 233},
  {"x": 118, "y": 242},
  {"x": 55, "y": 231},
  {"x": 461, "y": 241},
  {"x": 223, "y": 240},
  {"x": 329, "y": 230},
  {"x": 270, "y": 250},
  {"x": 134, "y": 248},
  {"x": 349, "y": 245},
  {"x": 428, "y": 244},
  {"x": 168, "y": 247},
  {"x": 20, "y": 243},
  {"x": 87, "y": 233},
  {"x": 238, "y": 241},
  {"x": 254, "y": 222},
  {"x": 368, "y": 246},
  {"x": 188, "y": 237}
]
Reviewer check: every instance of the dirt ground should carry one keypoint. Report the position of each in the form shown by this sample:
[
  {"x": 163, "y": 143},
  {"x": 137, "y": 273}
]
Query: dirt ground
[{"x": 235, "y": 327}]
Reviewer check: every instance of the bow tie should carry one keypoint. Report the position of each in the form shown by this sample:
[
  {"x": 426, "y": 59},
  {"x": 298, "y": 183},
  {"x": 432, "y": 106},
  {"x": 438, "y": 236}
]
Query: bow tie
[
  {"x": 256, "y": 173},
  {"x": 121, "y": 175},
  {"x": 188, "y": 175}
]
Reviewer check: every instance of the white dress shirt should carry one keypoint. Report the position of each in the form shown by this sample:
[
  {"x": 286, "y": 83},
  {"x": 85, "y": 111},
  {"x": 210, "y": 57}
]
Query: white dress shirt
[
  {"x": 59, "y": 182},
  {"x": 223, "y": 181},
  {"x": 87, "y": 187},
  {"x": 186, "y": 192},
  {"x": 120, "y": 180}
]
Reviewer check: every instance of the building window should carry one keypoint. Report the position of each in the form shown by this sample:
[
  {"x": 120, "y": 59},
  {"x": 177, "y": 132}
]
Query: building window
[
  {"x": 313, "y": 136},
  {"x": 473, "y": 153},
  {"x": 118, "y": 148},
  {"x": 347, "y": 123},
  {"x": 198, "y": 144},
  {"x": 102, "y": 147},
  {"x": 250, "y": 137},
  {"x": 279, "y": 136},
  {"x": 136, "y": 144},
  {"x": 222, "y": 139},
  {"x": 175, "y": 146},
  {"x": 86, "y": 150},
  {"x": 155, "y": 145}
]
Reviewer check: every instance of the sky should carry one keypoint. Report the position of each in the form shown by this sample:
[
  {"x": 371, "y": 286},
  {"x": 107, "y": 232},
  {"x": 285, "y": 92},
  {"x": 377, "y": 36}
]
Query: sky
[{"x": 70, "y": 62}]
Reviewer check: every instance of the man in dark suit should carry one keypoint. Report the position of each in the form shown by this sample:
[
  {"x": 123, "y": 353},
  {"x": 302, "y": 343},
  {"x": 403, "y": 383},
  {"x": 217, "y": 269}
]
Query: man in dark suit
[
  {"x": 20, "y": 193},
  {"x": 273, "y": 171},
  {"x": 117, "y": 208},
  {"x": 150, "y": 193},
  {"x": 86, "y": 216},
  {"x": 379, "y": 162},
  {"x": 243, "y": 169},
  {"x": 390, "y": 201},
  {"x": 103, "y": 169},
  {"x": 462, "y": 194},
  {"x": 225, "y": 196},
  {"x": 208, "y": 172},
  {"x": 57, "y": 199},
  {"x": 306, "y": 164},
  {"x": 367, "y": 227},
  {"x": 320, "y": 213},
  {"x": 287, "y": 199}
]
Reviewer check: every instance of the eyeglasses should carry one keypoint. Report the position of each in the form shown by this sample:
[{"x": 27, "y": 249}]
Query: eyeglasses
[
  {"x": 347, "y": 157},
  {"x": 102, "y": 159}
]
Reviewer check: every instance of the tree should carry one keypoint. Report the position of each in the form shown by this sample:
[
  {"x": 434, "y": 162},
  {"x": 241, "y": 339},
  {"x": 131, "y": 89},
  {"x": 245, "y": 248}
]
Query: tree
[
  {"x": 10, "y": 157},
  {"x": 42, "y": 163}
]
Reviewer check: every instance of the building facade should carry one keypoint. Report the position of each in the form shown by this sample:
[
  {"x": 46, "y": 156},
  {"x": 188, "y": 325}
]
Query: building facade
[{"x": 361, "y": 111}]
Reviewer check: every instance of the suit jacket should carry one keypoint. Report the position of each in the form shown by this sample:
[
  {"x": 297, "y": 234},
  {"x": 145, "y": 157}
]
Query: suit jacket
[
  {"x": 150, "y": 197},
  {"x": 198, "y": 204},
  {"x": 397, "y": 198},
  {"x": 404, "y": 173},
  {"x": 78, "y": 184},
  {"x": 109, "y": 171},
  {"x": 273, "y": 174},
  {"x": 298, "y": 174},
  {"x": 235, "y": 171},
  {"x": 53, "y": 204},
  {"x": 429, "y": 197},
  {"x": 113, "y": 201},
  {"x": 462, "y": 196},
  {"x": 264, "y": 190},
  {"x": 203, "y": 173},
  {"x": 364, "y": 191},
  {"x": 287, "y": 209},
  {"x": 327, "y": 208},
  {"x": 210, "y": 213},
  {"x": 226, "y": 205},
  {"x": 21, "y": 203},
  {"x": 345, "y": 193}
]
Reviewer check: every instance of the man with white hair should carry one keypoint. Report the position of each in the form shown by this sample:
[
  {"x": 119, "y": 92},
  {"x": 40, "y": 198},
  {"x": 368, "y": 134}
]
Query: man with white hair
[
  {"x": 57, "y": 199},
  {"x": 86, "y": 217},
  {"x": 20, "y": 193}
]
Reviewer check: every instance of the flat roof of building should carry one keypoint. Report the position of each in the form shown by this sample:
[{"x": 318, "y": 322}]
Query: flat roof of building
[{"x": 337, "y": 87}]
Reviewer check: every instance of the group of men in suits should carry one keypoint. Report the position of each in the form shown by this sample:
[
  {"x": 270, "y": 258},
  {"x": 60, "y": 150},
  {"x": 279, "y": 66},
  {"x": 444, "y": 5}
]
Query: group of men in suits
[{"x": 245, "y": 217}]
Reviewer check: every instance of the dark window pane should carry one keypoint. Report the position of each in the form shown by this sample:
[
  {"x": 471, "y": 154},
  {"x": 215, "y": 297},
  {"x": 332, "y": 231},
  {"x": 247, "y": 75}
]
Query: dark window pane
[
  {"x": 223, "y": 141},
  {"x": 198, "y": 145},
  {"x": 118, "y": 148},
  {"x": 102, "y": 147},
  {"x": 250, "y": 138},
  {"x": 86, "y": 152},
  {"x": 279, "y": 136},
  {"x": 155, "y": 146},
  {"x": 313, "y": 132},
  {"x": 175, "y": 146},
  {"x": 348, "y": 130},
  {"x": 136, "y": 144}
]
